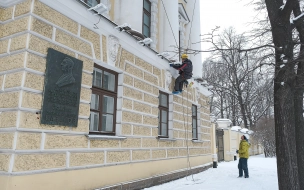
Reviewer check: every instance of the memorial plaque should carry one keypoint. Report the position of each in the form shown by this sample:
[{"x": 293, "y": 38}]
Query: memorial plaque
[{"x": 61, "y": 89}]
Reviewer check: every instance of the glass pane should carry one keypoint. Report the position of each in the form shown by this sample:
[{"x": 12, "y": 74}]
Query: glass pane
[
  {"x": 146, "y": 31},
  {"x": 194, "y": 134},
  {"x": 147, "y": 20},
  {"x": 164, "y": 116},
  {"x": 164, "y": 129},
  {"x": 97, "y": 80},
  {"x": 108, "y": 104},
  {"x": 107, "y": 122},
  {"x": 94, "y": 121},
  {"x": 92, "y": 3},
  {"x": 194, "y": 110},
  {"x": 163, "y": 100},
  {"x": 94, "y": 101},
  {"x": 159, "y": 132},
  {"x": 147, "y": 5},
  {"x": 194, "y": 122},
  {"x": 109, "y": 81}
]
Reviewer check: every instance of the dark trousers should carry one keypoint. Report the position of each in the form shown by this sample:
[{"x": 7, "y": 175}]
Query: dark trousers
[
  {"x": 243, "y": 166},
  {"x": 179, "y": 83}
]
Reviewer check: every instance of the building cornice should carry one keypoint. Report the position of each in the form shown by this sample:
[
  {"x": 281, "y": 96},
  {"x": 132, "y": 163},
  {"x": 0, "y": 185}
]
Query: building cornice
[{"x": 9, "y": 3}]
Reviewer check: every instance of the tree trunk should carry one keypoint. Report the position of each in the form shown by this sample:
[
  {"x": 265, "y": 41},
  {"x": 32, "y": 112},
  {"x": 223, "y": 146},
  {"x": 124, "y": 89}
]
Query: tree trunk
[
  {"x": 222, "y": 106},
  {"x": 298, "y": 99},
  {"x": 233, "y": 112},
  {"x": 242, "y": 106},
  {"x": 284, "y": 94}
]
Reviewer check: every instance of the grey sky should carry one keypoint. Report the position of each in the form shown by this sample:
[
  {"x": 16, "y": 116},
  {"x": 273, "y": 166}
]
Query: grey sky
[{"x": 225, "y": 13}]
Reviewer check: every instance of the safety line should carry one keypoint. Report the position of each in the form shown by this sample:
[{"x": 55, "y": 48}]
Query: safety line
[
  {"x": 191, "y": 25},
  {"x": 169, "y": 23},
  {"x": 186, "y": 134}
]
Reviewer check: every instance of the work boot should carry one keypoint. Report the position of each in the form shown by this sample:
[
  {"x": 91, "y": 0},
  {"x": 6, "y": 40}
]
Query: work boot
[{"x": 176, "y": 92}]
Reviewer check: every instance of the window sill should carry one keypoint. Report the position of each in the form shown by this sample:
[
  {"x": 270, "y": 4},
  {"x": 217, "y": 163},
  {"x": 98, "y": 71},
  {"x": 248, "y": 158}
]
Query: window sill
[
  {"x": 197, "y": 141},
  {"x": 106, "y": 137},
  {"x": 165, "y": 139}
]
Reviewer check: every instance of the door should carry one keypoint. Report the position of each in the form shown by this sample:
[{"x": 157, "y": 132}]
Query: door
[{"x": 220, "y": 144}]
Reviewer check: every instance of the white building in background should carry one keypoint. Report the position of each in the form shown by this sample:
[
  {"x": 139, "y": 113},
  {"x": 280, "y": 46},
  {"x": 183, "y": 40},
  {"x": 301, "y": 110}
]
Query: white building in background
[{"x": 131, "y": 131}]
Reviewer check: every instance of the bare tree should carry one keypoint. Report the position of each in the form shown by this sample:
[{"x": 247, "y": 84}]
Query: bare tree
[
  {"x": 237, "y": 79},
  {"x": 286, "y": 20},
  {"x": 286, "y": 24},
  {"x": 216, "y": 72},
  {"x": 264, "y": 134},
  {"x": 287, "y": 27}
]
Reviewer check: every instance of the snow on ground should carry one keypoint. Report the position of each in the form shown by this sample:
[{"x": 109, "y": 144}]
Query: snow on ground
[{"x": 262, "y": 176}]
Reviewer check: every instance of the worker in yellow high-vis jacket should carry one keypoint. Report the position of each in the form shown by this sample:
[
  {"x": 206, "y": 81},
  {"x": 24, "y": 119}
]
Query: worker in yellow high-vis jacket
[{"x": 244, "y": 155}]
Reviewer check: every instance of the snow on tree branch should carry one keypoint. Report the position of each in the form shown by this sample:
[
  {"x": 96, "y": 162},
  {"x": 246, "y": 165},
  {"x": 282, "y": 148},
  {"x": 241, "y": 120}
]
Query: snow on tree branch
[{"x": 298, "y": 17}]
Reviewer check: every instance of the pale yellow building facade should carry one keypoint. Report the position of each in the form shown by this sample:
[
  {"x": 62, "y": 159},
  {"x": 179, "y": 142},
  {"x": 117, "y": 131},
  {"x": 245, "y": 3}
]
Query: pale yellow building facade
[{"x": 37, "y": 156}]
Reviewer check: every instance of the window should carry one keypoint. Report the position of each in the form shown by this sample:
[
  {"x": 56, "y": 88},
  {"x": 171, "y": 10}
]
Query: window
[
  {"x": 103, "y": 101},
  {"x": 194, "y": 122},
  {"x": 146, "y": 18},
  {"x": 163, "y": 114},
  {"x": 91, "y": 3}
]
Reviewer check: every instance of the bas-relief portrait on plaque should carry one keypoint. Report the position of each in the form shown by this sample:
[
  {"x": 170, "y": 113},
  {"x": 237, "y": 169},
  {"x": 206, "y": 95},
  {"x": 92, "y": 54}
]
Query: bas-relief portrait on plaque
[{"x": 61, "y": 89}]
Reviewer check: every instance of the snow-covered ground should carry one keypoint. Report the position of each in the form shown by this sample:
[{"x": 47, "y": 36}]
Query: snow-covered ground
[{"x": 262, "y": 176}]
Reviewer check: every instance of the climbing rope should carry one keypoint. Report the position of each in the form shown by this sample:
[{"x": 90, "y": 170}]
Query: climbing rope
[
  {"x": 186, "y": 134},
  {"x": 185, "y": 128},
  {"x": 169, "y": 23},
  {"x": 191, "y": 24},
  {"x": 186, "y": 131}
]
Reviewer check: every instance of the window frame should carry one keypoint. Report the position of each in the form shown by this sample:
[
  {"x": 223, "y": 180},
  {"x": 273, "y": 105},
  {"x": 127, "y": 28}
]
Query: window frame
[
  {"x": 148, "y": 13},
  {"x": 194, "y": 117},
  {"x": 102, "y": 92},
  {"x": 160, "y": 108}
]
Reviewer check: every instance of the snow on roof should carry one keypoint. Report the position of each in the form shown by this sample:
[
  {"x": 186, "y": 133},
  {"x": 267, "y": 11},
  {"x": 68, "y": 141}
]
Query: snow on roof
[
  {"x": 244, "y": 130},
  {"x": 223, "y": 123},
  {"x": 225, "y": 120},
  {"x": 235, "y": 128}
]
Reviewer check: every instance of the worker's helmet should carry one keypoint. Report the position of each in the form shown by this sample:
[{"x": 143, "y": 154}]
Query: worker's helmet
[{"x": 184, "y": 56}]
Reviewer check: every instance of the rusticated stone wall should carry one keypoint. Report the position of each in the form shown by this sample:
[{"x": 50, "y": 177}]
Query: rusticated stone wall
[
  {"x": 141, "y": 85},
  {"x": 27, "y": 30}
]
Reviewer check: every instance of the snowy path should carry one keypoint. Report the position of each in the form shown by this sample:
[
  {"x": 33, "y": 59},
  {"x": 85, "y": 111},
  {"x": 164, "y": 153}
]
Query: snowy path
[{"x": 262, "y": 176}]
